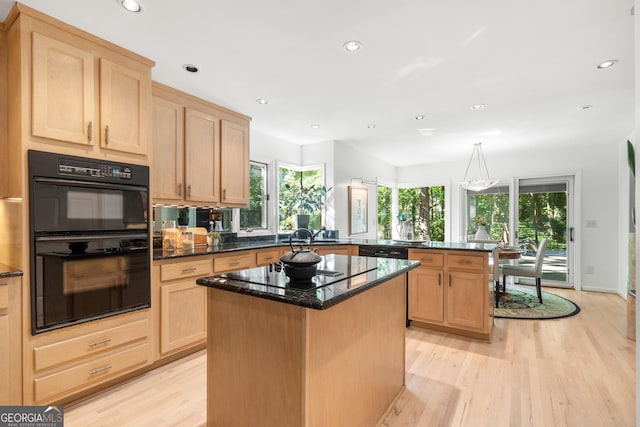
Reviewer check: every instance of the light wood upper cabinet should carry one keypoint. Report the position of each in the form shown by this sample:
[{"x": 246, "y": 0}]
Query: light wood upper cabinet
[
  {"x": 168, "y": 149},
  {"x": 75, "y": 93},
  {"x": 125, "y": 108},
  {"x": 200, "y": 151},
  {"x": 202, "y": 156},
  {"x": 234, "y": 166},
  {"x": 65, "y": 94},
  {"x": 63, "y": 91}
]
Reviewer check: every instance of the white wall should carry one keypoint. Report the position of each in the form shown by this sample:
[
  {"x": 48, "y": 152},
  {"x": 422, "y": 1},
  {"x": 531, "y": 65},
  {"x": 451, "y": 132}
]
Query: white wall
[
  {"x": 348, "y": 164},
  {"x": 267, "y": 149}
]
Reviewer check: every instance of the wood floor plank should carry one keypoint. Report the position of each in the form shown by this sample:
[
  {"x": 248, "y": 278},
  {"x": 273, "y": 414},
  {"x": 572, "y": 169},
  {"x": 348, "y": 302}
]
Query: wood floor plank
[{"x": 578, "y": 371}]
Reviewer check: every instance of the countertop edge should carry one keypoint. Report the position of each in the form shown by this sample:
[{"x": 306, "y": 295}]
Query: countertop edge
[
  {"x": 158, "y": 254},
  {"x": 226, "y": 284}
]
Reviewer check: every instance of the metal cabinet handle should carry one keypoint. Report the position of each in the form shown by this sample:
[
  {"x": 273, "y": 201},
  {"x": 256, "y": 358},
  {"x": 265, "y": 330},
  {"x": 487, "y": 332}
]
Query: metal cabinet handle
[
  {"x": 180, "y": 189},
  {"x": 268, "y": 257},
  {"x": 449, "y": 280},
  {"x": 106, "y": 134},
  {"x": 234, "y": 263},
  {"x": 90, "y": 131},
  {"x": 189, "y": 269},
  {"x": 97, "y": 343},
  {"x": 224, "y": 194},
  {"x": 189, "y": 190},
  {"x": 99, "y": 370},
  {"x": 439, "y": 279}
]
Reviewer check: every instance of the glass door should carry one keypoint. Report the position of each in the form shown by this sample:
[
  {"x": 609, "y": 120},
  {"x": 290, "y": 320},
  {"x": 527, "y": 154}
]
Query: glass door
[{"x": 545, "y": 210}]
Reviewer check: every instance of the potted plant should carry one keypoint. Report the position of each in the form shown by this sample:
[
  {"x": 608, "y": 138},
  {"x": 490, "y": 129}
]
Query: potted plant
[
  {"x": 213, "y": 238},
  {"x": 480, "y": 221},
  {"x": 302, "y": 201}
]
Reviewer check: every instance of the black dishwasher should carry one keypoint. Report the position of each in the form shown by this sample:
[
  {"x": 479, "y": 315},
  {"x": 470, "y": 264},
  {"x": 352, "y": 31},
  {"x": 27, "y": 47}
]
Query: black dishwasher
[
  {"x": 383, "y": 251},
  {"x": 388, "y": 251}
]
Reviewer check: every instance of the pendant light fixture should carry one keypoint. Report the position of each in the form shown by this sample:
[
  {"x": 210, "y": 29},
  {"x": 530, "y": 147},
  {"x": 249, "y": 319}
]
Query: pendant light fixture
[{"x": 482, "y": 180}]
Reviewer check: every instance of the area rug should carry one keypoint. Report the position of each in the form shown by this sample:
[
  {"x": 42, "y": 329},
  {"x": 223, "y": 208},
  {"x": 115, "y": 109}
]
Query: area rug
[{"x": 522, "y": 303}]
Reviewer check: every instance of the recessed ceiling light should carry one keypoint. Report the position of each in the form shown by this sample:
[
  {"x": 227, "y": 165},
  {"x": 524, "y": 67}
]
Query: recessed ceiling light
[
  {"x": 419, "y": 117},
  {"x": 585, "y": 107},
  {"x": 607, "y": 64},
  {"x": 315, "y": 126},
  {"x": 262, "y": 101},
  {"x": 477, "y": 106},
  {"x": 190, "y": 68},
  {"x": 352, "y": 46},
  {"x": 131, "y": 5},
  {"x": 371, "y": 126}
]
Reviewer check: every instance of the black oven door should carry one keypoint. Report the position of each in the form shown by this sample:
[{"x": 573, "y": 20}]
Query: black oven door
[
  {"x": 72, "y": 206},
  {"x": 80, "y": 278}
]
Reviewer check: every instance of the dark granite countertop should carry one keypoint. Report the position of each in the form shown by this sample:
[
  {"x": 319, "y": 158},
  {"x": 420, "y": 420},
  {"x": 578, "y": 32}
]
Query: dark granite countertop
[
  {"x": 341, "y": 277},
  {"x": 242, "y": 245},
  {"x": 6, "y": 271}
]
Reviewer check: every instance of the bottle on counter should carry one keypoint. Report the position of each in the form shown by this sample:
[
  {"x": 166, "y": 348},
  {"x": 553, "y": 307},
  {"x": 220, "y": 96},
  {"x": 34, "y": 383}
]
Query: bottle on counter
[{"x": 169, "y": 235}]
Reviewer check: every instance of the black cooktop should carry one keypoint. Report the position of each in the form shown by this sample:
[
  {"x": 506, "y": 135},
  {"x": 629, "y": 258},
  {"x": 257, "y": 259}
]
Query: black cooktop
[{"x": 330, "y": 270}]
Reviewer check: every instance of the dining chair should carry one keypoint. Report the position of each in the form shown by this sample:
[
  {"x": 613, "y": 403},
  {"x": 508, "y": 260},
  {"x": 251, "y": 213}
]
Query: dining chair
[
  {"x": 494, "y": 273},
  {"x": 523, "y": 271}
]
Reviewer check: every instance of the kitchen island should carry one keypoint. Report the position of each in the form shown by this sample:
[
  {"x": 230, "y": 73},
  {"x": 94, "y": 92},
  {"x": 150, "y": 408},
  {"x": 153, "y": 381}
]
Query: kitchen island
[{"x": 328, "y": 352}]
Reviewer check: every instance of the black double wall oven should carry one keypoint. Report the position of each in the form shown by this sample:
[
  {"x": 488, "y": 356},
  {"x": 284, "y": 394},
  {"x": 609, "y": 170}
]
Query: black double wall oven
[{"x": 90, "y": 243}]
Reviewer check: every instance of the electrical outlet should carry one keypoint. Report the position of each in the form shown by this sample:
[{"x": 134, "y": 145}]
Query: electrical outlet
[{"x": 592, "y": 223}]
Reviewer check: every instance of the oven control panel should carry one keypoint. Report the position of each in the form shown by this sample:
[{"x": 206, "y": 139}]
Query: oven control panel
[{"x": 71, "y": 167}]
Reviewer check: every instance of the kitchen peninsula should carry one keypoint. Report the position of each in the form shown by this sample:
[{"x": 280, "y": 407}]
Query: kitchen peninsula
[{"x": 325, "y": 352}]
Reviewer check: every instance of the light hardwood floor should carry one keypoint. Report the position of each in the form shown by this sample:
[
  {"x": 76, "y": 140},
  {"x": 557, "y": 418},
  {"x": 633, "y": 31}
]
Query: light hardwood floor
[{"x": 578, "y": 371}]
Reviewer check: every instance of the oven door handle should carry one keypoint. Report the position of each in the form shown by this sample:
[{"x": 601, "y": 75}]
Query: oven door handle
[
  {"x": 86, "y": 237},
  {"x": 76, "y": 183}
]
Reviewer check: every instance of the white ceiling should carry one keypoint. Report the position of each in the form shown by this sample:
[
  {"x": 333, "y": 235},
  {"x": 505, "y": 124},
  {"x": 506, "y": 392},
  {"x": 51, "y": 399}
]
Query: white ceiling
[{"x": 533, "y": 63}]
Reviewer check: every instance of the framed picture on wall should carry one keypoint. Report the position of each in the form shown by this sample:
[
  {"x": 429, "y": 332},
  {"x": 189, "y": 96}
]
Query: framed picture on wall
[{"x": 358, "y": 206}]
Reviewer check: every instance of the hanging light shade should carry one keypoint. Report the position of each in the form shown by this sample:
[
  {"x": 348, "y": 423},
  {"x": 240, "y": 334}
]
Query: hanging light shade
[{"x": 482, "y": 180}]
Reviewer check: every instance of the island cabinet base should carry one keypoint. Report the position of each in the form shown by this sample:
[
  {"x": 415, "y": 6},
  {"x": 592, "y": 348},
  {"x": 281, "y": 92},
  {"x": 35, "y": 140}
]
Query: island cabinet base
[{"x": 275, "y": 364}]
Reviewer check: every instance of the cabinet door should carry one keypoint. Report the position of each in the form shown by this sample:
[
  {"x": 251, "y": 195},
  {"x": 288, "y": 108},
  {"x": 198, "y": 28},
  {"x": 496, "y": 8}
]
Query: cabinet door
[
  {"x": 63, "y": 98},
  {"x": 10, "y": 342},
  {"x": 125, "y": 108},
  {"x": 466, "y": 300},
  {"x": 234, "y": 152},
  {"x": 202, "y": 156},
  {"x": 183, "y": 311},
  {"x": 426, "y": 295},
  {"x": 167, "y": 149}
]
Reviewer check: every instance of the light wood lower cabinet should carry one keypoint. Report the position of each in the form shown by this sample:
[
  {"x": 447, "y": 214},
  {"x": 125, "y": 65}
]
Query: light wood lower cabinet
[
  {"x": 10, "y": 341},
  {"x": 77, "y": 359},
  {"x": 450, "y": 292},
  {"x": 183, "y": 307},
  {"x": 269, "y": 256},
  {"x": 336, "y": 249},
  {"x": 232, "y": 261}
]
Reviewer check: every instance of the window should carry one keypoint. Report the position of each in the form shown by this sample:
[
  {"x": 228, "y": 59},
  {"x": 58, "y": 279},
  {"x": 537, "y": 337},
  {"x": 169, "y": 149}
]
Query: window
[
  {"x": 384, "y": 213},
  {"x": 424, "y": 206},
  {"x": 490, "y": 209},
  {"x": 255, "y": 216},
  {"x": 297, "y": 190}
]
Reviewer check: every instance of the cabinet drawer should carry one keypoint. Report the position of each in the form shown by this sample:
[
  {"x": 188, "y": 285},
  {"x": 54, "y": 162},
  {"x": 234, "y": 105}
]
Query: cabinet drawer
[
  {"x": 466, "y": 262},
  {"x": 4, "y": 296},
  {"x": 267, "y": 257},
  {"x": 88, "y": 345},
  {"x": 185, "y": 269},
  {"x": 427, "y": 259},
  {"x": 238, "y": 261},
  {"x": 89, "y": 373}
]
